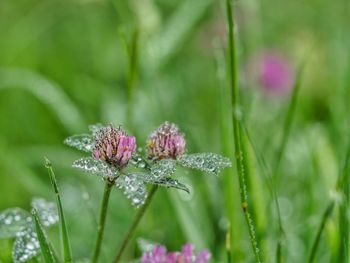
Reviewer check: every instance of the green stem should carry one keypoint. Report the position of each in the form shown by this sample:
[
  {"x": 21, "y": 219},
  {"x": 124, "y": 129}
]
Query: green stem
[
  {"x": 102, "y": 222},
  {"x": 316, "y": 242},
  {"x": 134, "y": 225},
  {"x": 228, "y": 244},
  {"x": 239, "y": 149}
]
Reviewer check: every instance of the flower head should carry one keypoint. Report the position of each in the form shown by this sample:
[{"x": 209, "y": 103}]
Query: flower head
[
  {"x": 187, "y": 255},
  {"x": 275, "y": 73},
  {"x": 166, "y": 142},
  {"x": 272, "y": 71},
  {"x": 114, "y": 146}
]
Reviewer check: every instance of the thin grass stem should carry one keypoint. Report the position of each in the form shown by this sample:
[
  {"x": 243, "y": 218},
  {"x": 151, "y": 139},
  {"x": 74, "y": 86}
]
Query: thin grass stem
[
  {"x": 238, "y": 140},
  {"x": 134, "y": 225},
  {"x": 327, "y": 213},
  {"x": 288, "y": 121}
]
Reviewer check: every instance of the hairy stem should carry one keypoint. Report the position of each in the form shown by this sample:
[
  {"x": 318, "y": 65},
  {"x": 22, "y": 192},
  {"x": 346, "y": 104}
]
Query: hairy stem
[
  {"x": 102, "y": 221},
  {"x": 238, "y": 140},
  {"x": 134, "y": 225}
]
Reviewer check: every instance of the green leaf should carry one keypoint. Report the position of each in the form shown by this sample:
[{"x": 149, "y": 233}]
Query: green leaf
[
  {"x": 163, "y": 168},
  {"x": 207, "y": 162},
  {"x": 97, "y": 167},
  {"x": 163, "y": 181},
  {"x": 95, "y": 128},
  {"x": 133, "y": 187},
  {"x": 12, "y": 221},
  {"x": 46, "y": 249},
  {"x": 26, "y": 245},
  {"x": 67, "y": 254},
  {"x": 82, "y": 142},
  {"x": 47, "y": 211}
]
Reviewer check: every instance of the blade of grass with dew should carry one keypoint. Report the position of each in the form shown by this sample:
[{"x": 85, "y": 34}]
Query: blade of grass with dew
[
  {"x": 227, "y": 144},
  {"x": 285, "y": 137},
  {"x": 254, "y": 184},
  {"x": 67, "y": 254},
  {"x": 239, "y": 154},
  {"x": 46, "y": 249},
  {"x": 266, "y": 174},
  {"x": 48, "y": 92}
]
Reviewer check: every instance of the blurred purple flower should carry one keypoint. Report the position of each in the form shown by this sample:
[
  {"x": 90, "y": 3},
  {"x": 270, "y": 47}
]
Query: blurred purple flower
[
  {"x": 114, "y": 146},
  {"x": 159, "y": 255},
  {"x": 274, "y": 72},
  {"x": 166, "y": 142}
]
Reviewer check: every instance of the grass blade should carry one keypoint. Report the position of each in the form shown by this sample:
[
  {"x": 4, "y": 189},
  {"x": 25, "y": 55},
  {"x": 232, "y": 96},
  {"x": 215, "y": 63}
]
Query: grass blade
[
  {"x": 343, "y": 187},
  {"x": 316, "y": 242},
  {"x": 227, "y": 144},
  {"x": 289, "y": 118},
  {"x": 67, "y": 254},
  {"x": 285, "y": 137},
  {"x": 237, "y": 131},
  {"x": 44, "y": 243}
]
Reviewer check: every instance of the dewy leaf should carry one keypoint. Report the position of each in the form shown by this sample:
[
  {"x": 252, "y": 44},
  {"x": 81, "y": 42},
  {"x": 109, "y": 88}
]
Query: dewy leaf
[
  {"x": 26, "y": 245},
  {"x": 81, "y": 142},
  {"x": 97, "y": 167},
  {"x": 12, "y": 221},
  {"x": 133, "y": 188},
  {"x": 207, "y": 162},
  {"x": 163, "y": 181},
  {"x": 163, "y": 168},
  {"x": 138, "y": 161},
  {"x": 47, "y": 211},
  {"x": 45, "y": 247},
  {"x": 95, "y": 128}
]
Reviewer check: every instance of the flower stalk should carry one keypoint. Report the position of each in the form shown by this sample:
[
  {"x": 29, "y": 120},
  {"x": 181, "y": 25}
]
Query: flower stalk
[
  {"x": 102, "y": 220},
  {"x": 238, "y": 140},
  {"x": 134, "y": 225}
]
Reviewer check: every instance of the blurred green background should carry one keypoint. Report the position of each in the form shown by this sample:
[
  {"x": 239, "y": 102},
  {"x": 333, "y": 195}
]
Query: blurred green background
[{"x": 65, "y": 64}]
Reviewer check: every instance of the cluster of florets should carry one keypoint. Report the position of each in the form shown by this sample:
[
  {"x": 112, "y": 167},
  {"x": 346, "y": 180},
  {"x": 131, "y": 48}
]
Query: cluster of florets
[
  {"x": 166, "y": 142},
  {"x": 114, "y": 146},
  {"x": 159, "y": 254}
]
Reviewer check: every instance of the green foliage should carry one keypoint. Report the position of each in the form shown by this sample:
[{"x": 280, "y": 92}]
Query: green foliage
[{"x": 64, "y": 64}]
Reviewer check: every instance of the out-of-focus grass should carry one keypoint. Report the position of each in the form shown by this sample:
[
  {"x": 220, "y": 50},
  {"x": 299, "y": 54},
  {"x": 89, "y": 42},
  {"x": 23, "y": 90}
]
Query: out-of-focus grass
[{"x": 63, "y": 65}]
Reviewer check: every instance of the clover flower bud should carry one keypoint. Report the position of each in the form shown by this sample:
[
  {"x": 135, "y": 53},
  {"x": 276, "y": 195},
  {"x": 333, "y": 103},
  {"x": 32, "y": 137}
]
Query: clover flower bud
[
  {"x": 166, "y": 142},
  {"x": 114, "y": 146},
  {"x": 159, "y": 255}
]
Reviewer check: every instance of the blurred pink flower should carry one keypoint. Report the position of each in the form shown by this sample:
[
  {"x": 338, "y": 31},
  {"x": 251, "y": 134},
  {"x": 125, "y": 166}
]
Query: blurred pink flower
[
  {"x": 187, "y": 255},
  {"x": 114, "y": 146},
  {"x": 166, "y": 142},
  {"x": 273, "y": 72}
]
